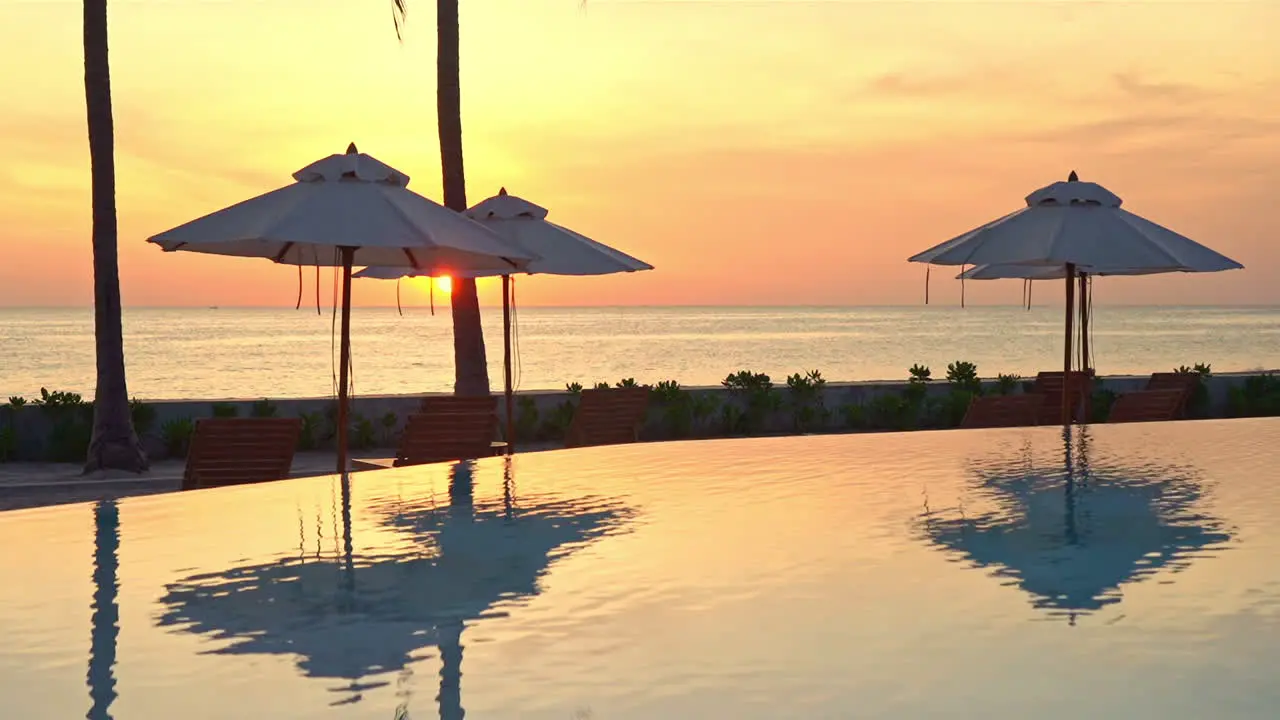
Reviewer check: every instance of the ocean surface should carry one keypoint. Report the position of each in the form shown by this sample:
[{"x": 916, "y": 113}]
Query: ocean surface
[{"x": 246, "y": 353}]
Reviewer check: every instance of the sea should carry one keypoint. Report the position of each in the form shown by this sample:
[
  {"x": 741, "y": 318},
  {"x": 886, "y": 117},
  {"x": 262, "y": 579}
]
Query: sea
[{"x": 217, "y": 353}]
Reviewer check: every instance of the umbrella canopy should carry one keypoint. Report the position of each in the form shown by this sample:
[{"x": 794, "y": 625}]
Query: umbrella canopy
[
  {"x": 340, "y": 208},
  {"x": 1043, "y": 272},
  {"x": 349, "y": 200},
  {"x": 1078, "y": 223},
  {"x": 1071, "y": 533},
  {"x": 556, "y": 250}
]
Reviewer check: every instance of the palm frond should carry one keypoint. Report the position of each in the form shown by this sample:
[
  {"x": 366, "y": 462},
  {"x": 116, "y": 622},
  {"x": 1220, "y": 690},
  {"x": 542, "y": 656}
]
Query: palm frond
[{"x": 399, "y": 12}]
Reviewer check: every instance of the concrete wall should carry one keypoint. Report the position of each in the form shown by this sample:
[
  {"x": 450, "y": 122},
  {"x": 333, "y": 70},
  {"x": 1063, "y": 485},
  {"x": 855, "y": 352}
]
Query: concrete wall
[{"x": 29, "y": 435}]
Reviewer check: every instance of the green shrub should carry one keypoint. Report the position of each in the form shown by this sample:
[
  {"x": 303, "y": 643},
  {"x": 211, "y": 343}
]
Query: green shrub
[
  {"x": 888, "y": 411},
  {"x": 71, "y": 425},
  {"x": 263, "y": 408},
  {"x": 363, "y": 434},
  {"x": 1100, "y": 403},
  {"x": 312, "y": 430},
  {"x": 1005, "y": 384},
  {"x": 224, "y": 410},
  {"x": 1198, "y": 403},
  {"x": 1257, "y": 396},
  {"x": 963, "y": 376},
  {"x": 176, "y": 436},
  {"x": 806, "y": 400},
  {"x": 855, "y": 416},
  {"x": 8, "y": 443},
  {"x": 556, "y": 425},
  {"x": 919, "y": 374},
  {"x": 526, "y": 419},
  {"x": 675, "y": 404},
  {"x": 143, "y": 415},
  {"x": 388, "y": 422},
  {"x": 759, "y": 401}
]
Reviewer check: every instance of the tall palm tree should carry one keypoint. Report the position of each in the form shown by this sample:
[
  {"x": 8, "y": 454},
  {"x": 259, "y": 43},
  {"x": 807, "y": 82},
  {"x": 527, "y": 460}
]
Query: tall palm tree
[
  {"x": 470, "y": 365},
  {"x": 114, "y": 444}
]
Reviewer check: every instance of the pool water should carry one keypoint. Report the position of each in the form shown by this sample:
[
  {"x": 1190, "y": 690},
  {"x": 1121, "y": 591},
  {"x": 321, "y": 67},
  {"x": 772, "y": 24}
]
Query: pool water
[{"x": 1111, "y": 572}]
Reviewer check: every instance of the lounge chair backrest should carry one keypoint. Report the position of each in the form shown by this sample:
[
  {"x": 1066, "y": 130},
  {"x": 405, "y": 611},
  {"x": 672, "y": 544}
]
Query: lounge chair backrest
[
  {"x": 448, "y": 431},
  {"x": 992, "y": 411},
  {"x": 610, "y": 416},
  {"x": 234, "y": 451},
  {"x": 1049, "y": 386},
  {"x": 454, "y": 404},
  {"x": 1147, "y": 406},
  {"x": 1184, "y": 382}
]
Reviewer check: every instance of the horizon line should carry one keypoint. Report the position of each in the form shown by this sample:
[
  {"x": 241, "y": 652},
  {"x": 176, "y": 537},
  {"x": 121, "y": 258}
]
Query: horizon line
[{"x": 445, "y": 306}]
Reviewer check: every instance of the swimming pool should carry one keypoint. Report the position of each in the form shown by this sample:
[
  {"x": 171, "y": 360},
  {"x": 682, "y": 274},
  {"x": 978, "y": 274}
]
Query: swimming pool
[{"x": 1116, "y": 572}]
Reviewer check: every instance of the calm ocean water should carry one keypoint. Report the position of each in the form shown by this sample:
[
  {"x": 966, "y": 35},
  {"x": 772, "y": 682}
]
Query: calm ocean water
[{"x": 235, "y": 352}]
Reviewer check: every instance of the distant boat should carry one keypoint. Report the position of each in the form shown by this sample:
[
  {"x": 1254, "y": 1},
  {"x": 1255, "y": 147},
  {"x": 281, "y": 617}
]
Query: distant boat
[{"x": 213, "y": 307}]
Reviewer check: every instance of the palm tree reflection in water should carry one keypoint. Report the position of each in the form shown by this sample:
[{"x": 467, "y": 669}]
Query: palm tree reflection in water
[
  {"x": 105, "y": 620},
  {"x": 1072, "y": 534},
  {"x": 361, "y": 615}
]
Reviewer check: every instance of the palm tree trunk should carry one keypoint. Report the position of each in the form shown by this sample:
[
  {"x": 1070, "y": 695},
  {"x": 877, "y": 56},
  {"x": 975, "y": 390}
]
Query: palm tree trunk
[
  {"x": 115, "y": 444},
  {"x": 470, "y": 366}
]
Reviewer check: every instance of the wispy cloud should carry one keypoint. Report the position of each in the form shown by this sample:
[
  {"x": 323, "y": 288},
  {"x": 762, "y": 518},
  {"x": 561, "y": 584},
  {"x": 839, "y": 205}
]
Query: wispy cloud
[{"x": 1138, "y": 88}]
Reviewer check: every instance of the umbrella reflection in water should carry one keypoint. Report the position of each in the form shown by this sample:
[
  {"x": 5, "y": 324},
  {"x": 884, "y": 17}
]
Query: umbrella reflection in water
[
  {"x": 365, "y": 614},
  {"x": 1072, "y": 533}
]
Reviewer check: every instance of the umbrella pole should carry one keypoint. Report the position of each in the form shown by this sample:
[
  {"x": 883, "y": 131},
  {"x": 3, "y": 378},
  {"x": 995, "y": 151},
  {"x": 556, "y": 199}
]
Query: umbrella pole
[
  {"x": 506, "y": 363},
  {"x": 344, "y": 357},
  {"x": 1066, "y": 354},
  {"x": 1084, "y": 322}
]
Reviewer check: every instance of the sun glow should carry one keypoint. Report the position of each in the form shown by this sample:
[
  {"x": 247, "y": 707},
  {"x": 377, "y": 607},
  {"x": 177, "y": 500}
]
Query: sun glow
[{"x": 444, "y": 283}]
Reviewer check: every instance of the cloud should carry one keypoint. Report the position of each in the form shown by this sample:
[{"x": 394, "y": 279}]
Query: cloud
[{"x": 1137, "y": 88}]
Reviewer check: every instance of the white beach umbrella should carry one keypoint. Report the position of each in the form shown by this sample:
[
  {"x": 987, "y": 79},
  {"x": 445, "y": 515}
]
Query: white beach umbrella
[
  {"x": 1073, "y": 224},
  {"x": 340, "y": 210},
  {"x": 556, "y": 250},
  {"x": 1044, "y": 272}
]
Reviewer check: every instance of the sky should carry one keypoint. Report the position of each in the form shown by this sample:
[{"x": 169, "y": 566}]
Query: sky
[{"x": 777, "y": 152}]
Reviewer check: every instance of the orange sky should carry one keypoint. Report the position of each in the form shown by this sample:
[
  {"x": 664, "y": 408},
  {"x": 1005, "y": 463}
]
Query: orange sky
[{"x": 756, "y": 153}]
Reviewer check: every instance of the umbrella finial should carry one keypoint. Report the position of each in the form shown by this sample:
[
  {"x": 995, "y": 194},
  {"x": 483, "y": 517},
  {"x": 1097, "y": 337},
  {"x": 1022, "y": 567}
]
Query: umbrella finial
[
  {"x": 351, "y": 149},
  {"x": 502, "y": 191},
  {"x": 1073, "y": 177}
]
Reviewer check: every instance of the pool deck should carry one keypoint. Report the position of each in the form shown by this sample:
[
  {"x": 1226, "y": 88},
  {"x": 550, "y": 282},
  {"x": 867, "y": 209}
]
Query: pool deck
[{"x": 28, "y": 485}]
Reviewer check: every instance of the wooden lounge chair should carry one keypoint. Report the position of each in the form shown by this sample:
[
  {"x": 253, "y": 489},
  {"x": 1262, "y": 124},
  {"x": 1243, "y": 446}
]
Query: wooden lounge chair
[
  {"x": 611, "y": 416},
  {"x": 1186, "y": 383},
  {"x": 234, "y": 451},
  {"x": 460, "y": 405},
  {"x": 994, "y": 411},
  {"x": 1147, "y": 406},
  {"x": 449, "y": 431},
  {"x": 1049, "y": 386}
]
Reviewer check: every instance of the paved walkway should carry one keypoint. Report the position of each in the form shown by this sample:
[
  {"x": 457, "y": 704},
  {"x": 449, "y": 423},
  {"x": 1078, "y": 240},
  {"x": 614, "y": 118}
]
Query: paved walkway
[{"x": 27, "y": 485}]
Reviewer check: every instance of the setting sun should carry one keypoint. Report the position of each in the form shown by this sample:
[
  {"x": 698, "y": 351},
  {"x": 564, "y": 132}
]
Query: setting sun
[{"x": 443, "y": 283}]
